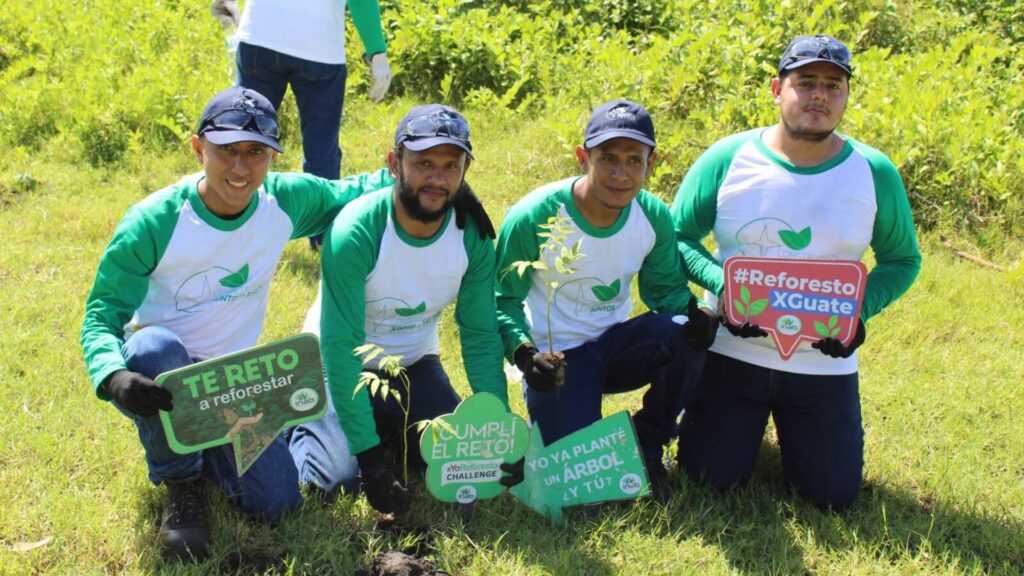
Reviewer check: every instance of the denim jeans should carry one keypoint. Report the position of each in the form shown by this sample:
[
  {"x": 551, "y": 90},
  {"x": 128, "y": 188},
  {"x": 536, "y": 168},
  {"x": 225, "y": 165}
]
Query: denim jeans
[
  {"x": 319, "y": 91},
  {"x": 268, "y": 489},
  {"x": 817, "y": 418},
  {"x": 646, "y": 349},
  {"x": 322, "y": 456}
]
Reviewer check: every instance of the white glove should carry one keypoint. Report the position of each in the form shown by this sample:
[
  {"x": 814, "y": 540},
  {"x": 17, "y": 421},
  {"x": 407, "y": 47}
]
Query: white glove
[
  {"x": 226, "y": 11},
  {"x": 381, "y": 72}
]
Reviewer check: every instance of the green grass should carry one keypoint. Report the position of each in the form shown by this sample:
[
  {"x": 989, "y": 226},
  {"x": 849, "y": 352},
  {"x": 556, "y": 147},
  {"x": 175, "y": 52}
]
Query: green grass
[{"x": 940, "y": 387}]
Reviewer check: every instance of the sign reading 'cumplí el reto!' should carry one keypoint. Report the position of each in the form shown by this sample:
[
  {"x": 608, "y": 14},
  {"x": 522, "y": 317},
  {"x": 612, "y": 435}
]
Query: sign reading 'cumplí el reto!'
[{"x": 245, "y": 398}]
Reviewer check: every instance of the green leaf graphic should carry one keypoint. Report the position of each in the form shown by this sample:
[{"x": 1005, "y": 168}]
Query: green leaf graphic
[
  {"x": 832, "y": 322},
  {"x": 796, "y": 240},
  {"x": 606, "y": 293},
  {"x": 740, "y": 308},
  {"x": 820, "y": 329},
  {"x": 757, "y": 306},
  {"x": 745, "y": 294},
  {"x": 237, "y": 279},
  {"x": 834, "y": 332},
  {"x": 411, "y": 311}
]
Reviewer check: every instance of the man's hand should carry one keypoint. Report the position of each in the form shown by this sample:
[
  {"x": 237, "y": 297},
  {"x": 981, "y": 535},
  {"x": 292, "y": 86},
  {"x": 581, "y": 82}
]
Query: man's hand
[
  {"x": 538, "y": 372},
  {"x": 226, "y": 11},
  {"x": 466, "y": 202},
  {"x": 380, "y": 70},
  {"x": 515, "y": 473},
  {"x": 383, "y": 490},
  {"x": 699, "y": 332},
  {"x": 745, "y": 330},
  {"x": 137, "y": 393},
  {"x": 834, "y": 348}
]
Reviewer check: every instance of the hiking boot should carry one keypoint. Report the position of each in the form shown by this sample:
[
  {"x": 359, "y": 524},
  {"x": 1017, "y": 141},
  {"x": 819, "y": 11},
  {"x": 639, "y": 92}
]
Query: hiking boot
[{"x": 184, "y": 534}]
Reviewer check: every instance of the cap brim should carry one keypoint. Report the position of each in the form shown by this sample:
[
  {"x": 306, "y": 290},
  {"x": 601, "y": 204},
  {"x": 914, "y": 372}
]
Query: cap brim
[
  {"x": 802, "y": 63},
  {"x": 606, "y": 136},
  {"x": 222, "y": 137},
  {"x": 422, "y": 144}
]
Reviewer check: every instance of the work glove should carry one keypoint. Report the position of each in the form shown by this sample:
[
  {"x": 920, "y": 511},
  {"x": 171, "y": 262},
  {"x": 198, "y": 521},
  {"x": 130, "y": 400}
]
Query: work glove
[
  {"x": 745, "y": 330},
  {"x": 226, "y": 11},
  {"x": 515, "y": 473},
  {"x": 138, "y": 394},
  {"x": 382, "y": 488},
  {"x": 466, "y": 202},
  {"x": 699, "y": 332},
  {"x": 834, "y": 347},
  {"x": 538, "y": 372},
  {"x": 380, "y": 70}
]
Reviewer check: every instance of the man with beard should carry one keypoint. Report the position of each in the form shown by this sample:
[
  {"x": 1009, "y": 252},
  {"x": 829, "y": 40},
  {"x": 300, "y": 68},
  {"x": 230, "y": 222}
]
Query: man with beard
[
  {"x": 391, "y": 264},
  {"x": 746, "y": 189}
]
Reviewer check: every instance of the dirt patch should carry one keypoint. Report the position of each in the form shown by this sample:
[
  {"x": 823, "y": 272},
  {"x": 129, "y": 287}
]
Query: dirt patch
[{"x": 398, "y": 564}]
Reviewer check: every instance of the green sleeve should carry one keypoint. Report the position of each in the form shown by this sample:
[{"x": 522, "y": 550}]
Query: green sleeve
[
  {"x": 349, "y": 254},
  {"x": 476, "y": 317},
  {"x": 122, "y": 280},
  {"x": 694, "y": 210},
  {"x": 312, "y": 202},
  {"x": 661, "y": 281},
  {"x": 366, "y": 17},
  {"x": 517, "y": 241},
  {"x": 894, "y": 242}
]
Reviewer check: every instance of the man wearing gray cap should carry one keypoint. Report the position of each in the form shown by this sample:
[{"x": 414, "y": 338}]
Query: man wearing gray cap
[
  {"x": 752, "y": 191},
  {"x": 160, "y": 301},
  {"x": 392, "y": 262},
  {"x": 624, "y": 231}
]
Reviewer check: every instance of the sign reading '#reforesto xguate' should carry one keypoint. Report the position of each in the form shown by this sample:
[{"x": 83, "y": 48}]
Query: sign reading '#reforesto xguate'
[{"x": 245, "y": 398}]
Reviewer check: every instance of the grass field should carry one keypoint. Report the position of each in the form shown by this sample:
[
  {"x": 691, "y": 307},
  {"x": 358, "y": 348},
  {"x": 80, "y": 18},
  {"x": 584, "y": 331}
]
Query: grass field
[{"x": 940, "y": 385}]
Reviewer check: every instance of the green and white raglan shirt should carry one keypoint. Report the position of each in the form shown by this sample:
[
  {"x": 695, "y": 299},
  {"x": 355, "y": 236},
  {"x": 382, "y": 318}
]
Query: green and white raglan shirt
[
  {"x": 597, "y": 296},
  {"x": 173, "y": 263},
  {"x": 745, "y": 195},
  {"x": 385, "y": 287}
]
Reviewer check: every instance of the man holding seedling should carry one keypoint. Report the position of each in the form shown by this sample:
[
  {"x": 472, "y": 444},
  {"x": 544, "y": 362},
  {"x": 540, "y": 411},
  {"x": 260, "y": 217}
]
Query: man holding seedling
[
  {"x": 582, "y": 309},
  {"x": 392, "y": 262},
  {"x": 302, "y": 45},
  {"x": 753, "y": 190},
  {"x": 185, "y": 278}
]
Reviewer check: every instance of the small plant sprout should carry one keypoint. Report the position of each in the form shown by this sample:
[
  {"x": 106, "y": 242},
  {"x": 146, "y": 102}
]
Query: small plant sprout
[
  {"x": 562, "y": 258},
  {"x": 747, "y": 308},
  {"x": 391, "y": 365}
]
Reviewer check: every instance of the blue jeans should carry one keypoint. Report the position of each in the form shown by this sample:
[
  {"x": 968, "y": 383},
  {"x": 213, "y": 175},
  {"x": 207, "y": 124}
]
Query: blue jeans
[
  {"x": 321, "y": 453},
  {"x": 817, "y": 418},
  {"x": 319, "y": 95},
  {"x": 267, "y": 490},
  {"x": 646, "y": 349}
]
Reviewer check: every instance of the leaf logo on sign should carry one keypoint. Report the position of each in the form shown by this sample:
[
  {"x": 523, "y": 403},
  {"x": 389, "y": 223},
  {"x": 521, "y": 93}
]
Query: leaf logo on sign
[
  {"x": 411, "y": 311},
  {"x": 605, "y": 293},
  {"x": 237, "y": 279},
  {"x": 830, "y": 330},
  {"x": 746, "y": 307}
]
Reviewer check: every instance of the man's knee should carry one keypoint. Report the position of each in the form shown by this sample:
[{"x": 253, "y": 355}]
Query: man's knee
[
  {"x": 836, "y": 494},
  {"x": 271, "y": 505}
]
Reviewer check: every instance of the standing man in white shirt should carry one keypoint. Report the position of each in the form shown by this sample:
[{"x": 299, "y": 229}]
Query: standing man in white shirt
[{"x": 302, "y": 44}]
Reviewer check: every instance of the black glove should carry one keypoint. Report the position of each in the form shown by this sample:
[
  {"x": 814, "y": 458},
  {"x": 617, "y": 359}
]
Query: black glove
[
  {"x": 383, "y": 490},
  {"x": 515, "y": 473},
  {"x": 538, "y": 372},
  {"x": 137, "y": 393},
  {"x": 699, "y": 332},
  {"x": 834, "y": 348},
  {"x": 745, "y": 330},
  {"x": 466, "y": 202}
]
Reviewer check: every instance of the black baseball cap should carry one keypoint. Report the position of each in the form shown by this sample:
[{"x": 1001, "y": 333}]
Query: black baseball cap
[
  {"x": 431, "y": 125},
  {"x": 619, "y": 119},
  {"x": 240, "y": 115},
  {"x": 804, "y": 50}
]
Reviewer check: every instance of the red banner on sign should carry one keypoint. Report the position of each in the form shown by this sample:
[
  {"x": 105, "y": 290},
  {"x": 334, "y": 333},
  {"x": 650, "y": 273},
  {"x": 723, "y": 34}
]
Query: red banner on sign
[{"x": 795, "y": 300}]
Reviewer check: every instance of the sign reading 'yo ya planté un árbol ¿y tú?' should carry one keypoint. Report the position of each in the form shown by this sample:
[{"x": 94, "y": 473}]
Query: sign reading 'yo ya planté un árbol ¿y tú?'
[
  {"x": 245, "y": 398},
  {"x": 464, "y": 454},
  {"x": 599, "y": 463},
  {"x": 795, "y": 300}
]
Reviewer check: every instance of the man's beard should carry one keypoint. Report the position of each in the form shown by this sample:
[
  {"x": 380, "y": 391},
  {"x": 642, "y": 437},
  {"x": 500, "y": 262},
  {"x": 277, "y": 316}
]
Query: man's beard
[
  {"x": 808, "y": 135},
  {"x": 411, "y": 202}
]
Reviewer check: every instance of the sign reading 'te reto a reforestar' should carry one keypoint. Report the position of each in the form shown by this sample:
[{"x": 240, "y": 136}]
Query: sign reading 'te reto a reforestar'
[{"x": 795, "y": 300}]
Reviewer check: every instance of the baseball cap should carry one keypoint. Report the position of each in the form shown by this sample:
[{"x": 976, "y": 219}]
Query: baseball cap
[
  {"x": 240, "y": 115},
  {"x": 804, "y": 50},
  {"x": 432, "y": 125},
  {"x": 619, "y": 119}
]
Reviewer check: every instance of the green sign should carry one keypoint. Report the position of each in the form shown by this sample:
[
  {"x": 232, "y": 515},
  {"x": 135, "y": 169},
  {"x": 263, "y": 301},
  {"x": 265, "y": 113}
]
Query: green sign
[
  {"x": 245, "y": 398},
  {"x": 464, "y": 454},
  {"x": 598, "y": 463}
]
